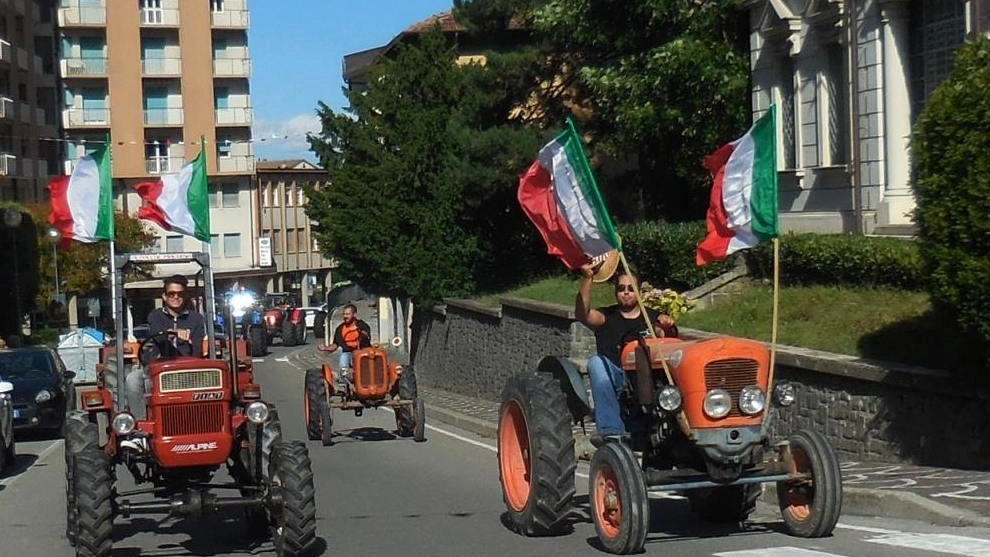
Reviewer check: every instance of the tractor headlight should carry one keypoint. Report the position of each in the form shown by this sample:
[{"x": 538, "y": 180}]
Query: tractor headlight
[
  {"x": 123, "y": 423},
  {"x": 718, "y": 403},
  {"x": 257, "y": 412},
  {"x": 752, "y": 400},
  {"x": 43, "y": 396},
  {"x": 669, "y": 398},
  {"x": 785, "y": 393}
]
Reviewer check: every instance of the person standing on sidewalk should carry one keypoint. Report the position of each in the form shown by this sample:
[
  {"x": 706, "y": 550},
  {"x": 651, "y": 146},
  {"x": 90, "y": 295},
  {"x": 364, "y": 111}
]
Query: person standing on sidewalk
[
  {"x": 352, "y": 334},
  {"x": 613, "y": 326}
]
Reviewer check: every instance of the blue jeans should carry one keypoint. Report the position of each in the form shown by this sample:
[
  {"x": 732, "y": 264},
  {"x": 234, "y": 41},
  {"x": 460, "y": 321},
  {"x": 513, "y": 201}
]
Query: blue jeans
[
  {"x": 346, "y": 360},
  {"x": 607, "y": 380}
]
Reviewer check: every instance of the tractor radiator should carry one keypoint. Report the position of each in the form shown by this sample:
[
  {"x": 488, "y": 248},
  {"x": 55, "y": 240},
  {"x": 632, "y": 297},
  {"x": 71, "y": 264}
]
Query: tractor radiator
[
  {"x": 372, "y": 375},
  {"x": 191, "y": 419},
  {"x": 190, "y": 380},
  {"x": 732, "y": 375}
]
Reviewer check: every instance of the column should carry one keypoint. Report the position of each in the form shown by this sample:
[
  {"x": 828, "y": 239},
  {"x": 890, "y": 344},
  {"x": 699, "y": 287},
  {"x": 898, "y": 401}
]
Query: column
[
  {"x": 304, "y": 291},
  {"x": 898, "y": 199}
]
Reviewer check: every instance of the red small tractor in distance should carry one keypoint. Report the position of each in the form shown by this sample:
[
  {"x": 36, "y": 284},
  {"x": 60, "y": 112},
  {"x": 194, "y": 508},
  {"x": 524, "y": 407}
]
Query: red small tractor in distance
[
  {"x": 199, "y": 415},
  {"x": 284, "y": 320},
  {"x": 374, "y": 382},
  {"x": 698, "y": 414}
]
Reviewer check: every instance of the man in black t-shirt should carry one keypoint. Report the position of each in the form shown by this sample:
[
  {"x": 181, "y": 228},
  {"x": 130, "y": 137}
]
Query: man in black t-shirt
[{"x": 613, "y": 327}]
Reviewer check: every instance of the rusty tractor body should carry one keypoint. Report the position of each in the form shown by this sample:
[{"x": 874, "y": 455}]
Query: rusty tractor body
[
  {"x": 374, "y": 382},
  {"x": 698, "y": 416},
  {"x": 200, "y": 416},
  {"x": 282, "y": 319}
]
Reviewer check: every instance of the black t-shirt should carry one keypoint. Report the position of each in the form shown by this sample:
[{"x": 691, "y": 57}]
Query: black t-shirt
[{"x": 619, "y": 330}]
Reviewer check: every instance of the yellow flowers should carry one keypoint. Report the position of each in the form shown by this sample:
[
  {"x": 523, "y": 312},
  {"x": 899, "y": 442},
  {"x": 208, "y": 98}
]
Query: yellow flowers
[{"x": 665, "y": 301}]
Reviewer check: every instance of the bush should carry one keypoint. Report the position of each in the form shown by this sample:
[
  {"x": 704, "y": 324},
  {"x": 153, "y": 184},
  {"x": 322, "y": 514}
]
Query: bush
[
  {"x": 44, "y": 337},
  {"x": 840, "y": 260},
  {"x": 952, "y": 157},
  {"x": 663, "y": 253}
]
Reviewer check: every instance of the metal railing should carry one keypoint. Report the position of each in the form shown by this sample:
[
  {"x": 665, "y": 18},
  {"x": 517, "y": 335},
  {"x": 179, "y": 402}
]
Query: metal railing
[
  {"x": 237, "y": 116},
  {"x": 8, "y": 164},
  {"x": 77, "y": 67},
  {"x": 168, "y": 17},
  {"x": 163, "y": 165},
  {"x": 236, "y": 163},
  {"x": 6, "y": 108},
  {"x": 87, "y": 117},
  {"x": 6, "y": 52},
  {"x": 161, "y": 66},
  {"x": 163, "y": 116},
  {"x": 231, "y": 18},
  {"x": 232, "y": 67},
  {"x": 76, "y": 14}
]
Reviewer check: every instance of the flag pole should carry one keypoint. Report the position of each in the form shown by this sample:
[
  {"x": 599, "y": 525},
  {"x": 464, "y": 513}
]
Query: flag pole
[
  {"x": 113, "y": 243},
  {"x": 211, "y": 295},
  {"x": 776, "y": 304}
]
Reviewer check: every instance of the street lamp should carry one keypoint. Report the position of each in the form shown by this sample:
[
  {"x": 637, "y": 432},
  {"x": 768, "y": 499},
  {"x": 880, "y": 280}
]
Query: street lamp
[
  {"x": 12, "y": 221},
  {"x": 55, "y": 236}
]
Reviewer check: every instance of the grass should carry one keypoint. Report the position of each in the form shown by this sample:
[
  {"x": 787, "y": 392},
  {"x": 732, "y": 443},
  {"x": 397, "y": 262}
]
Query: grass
[{"x": 880, "y": 323}]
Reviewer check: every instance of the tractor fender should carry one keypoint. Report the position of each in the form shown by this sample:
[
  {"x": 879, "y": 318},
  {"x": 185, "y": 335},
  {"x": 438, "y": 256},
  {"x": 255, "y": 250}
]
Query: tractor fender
[{"x": 571, "y": 383}]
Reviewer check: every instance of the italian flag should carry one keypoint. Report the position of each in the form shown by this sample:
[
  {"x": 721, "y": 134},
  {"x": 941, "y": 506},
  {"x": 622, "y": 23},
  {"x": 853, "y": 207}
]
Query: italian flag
[
  {"x": 743, "y": 208},
  {"x": 559, "y": 195},
  {"x": 179, "y": 202},
  {"x": 82, "y": 203}
]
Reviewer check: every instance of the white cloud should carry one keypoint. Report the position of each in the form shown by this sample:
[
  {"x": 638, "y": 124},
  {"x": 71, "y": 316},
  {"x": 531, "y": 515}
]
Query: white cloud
[{"x": 285, "y": 139}]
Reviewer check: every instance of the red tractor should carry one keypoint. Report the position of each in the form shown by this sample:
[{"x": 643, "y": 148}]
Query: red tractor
[
  {"x": 699, "y": 415},
  {"x": 373, "y": 383},
  {"x": 201, "y": 415},
  {"x": 284, "y": 320}
]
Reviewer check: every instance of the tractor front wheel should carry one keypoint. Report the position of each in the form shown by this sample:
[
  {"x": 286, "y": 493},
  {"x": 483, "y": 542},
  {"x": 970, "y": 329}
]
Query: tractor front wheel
[
  {"x": 419, "y": 417},
  {"x": 404, "y": 420},
  {"x": 620, "y": 507},
  {"x": 536, "y": 459},
  {"x": 811, "y": 507},
  {"x": 94, "y": 505},
  {"x": 80, "y": 433},
  {"x": 258, "y": 339},
  {"x": 288, "y": 333},
  {"x": 294, "y": 521},
  {"x": 313, "y": 400}
]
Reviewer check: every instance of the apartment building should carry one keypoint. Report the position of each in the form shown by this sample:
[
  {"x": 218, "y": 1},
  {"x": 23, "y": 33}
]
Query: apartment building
[
  {"x": 29, "y": 156},
  {"x": 157, "y": 76}
]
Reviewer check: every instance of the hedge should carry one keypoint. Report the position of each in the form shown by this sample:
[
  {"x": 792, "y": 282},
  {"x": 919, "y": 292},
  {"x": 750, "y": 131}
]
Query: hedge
[{"x": 663, "y": 254}]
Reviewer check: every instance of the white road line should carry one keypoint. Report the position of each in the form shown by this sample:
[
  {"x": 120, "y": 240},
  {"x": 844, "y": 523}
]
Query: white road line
[
  {"x": 869, "y": 529},
  {"x": 257, "y": 360},
  {"x": 776, "y": 552},
  {"x": 41, "y": 457},
  {"x": 282, "y": 360},
  {"x": 937, "y": 543}
]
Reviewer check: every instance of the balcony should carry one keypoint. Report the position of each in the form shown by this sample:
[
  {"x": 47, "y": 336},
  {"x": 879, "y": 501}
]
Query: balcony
[
  {"x": 163, "y": 116},
  {"x": 159, "y": 17},
  {"x": 163, "y": 165},
  {"x": 76, "y": 15},
  {"x": 237, "y": 116},
  {"x": 83, "y": 67},
  {"x": 6, "y": 108},
  {"x": 234, "y": 19},
  {"x": 236, "y": 164},
  {"x": 6, "y": 52},
  {"x": 232, "y": 67},
  {"x": 8, "y": 164},
  {"x": 87, "y": 117},
  {"x": 161, "y": 66}
]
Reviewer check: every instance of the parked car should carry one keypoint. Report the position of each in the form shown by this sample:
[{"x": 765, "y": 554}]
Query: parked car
[
  {"x": 310, "y": 313},
  {"x": 7, "y": 451},
  {"x": 43, "y": 388}
]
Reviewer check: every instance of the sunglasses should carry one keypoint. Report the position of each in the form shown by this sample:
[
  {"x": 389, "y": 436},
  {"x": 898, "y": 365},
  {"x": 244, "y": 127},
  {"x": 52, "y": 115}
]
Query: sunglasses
[
  {"x": 624, "y": 288},
  {"x": 175, "y": 294}
]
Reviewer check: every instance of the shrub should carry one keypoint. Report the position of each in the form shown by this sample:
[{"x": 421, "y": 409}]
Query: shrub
[
  {"x": 840, "y": 260},
  {"x": 663, "y": 253},
  {"x": 952, "y": 157}
]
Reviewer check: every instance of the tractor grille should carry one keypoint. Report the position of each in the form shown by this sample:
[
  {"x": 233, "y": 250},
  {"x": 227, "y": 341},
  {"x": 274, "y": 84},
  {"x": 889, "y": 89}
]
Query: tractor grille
[
  {"x": 191, "y": 380},
  {"x": 190, "y": 419},
  {"x": 732, "y": 374},
  {"x": 371, "y": 372}
]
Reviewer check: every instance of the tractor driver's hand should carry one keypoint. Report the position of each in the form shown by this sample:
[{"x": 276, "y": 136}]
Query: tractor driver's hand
[
  {"x": 665, "y": 321},
  {"x": 183, "y": 334},
  {"x": 588, "y": 270},
  {"x": 326, "y": 348}
]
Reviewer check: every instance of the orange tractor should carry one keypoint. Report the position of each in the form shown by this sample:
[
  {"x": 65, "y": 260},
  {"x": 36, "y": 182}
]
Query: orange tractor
[
  {"x": 374, "y": 382},
  {"x": 698, "y": 415}
]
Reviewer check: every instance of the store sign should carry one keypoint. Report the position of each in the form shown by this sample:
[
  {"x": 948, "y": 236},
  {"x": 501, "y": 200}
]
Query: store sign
[{"x": 265, "y": 251}]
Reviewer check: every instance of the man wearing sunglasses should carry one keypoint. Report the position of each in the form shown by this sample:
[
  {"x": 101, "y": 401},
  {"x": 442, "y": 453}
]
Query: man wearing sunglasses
[{"x": 613, "y": 326}]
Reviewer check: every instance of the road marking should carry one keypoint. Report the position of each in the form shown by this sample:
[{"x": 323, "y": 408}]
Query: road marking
[
  {"x": 41, "y": 457},
  {"x": 282, "y": 360},
  {"x": 257, "y": 360},
  {"x": 869, "y": 529},
  {"x": 776, "y": 552},
  {"x": 937, "y": 543}
]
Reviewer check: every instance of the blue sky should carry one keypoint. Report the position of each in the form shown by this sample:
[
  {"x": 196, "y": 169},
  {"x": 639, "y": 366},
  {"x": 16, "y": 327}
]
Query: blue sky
[{"x": 297, "y": 49}]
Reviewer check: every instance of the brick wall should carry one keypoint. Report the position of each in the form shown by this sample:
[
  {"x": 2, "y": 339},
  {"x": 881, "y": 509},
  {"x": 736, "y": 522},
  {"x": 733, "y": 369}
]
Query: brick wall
[{"x": 868, "y": 411}]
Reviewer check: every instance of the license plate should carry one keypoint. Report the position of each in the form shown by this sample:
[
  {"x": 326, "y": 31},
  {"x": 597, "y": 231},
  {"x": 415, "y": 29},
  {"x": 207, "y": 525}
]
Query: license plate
[{"x": 17, "y": 414}]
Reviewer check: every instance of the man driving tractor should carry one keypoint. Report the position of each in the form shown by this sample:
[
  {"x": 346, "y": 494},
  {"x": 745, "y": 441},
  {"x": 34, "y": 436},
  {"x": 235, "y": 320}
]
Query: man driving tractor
[{"x": 352, "y": 334}]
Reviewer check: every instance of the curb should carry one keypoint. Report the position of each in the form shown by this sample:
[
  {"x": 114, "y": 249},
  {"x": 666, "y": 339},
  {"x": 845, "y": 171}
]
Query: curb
[{"x": 856, "y": 501}]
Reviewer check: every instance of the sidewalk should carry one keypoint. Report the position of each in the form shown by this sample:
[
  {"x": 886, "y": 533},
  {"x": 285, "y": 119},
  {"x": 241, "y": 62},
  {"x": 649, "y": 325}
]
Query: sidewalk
[{"x": 940, "y": 496}]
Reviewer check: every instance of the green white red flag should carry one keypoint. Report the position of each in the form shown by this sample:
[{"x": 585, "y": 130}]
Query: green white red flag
[
  {"x": 179, "y": 202},
  {"x": 82, "y": 203},
  {"x": 743, "y": 207},
  {"x": 559, "y": 195}
]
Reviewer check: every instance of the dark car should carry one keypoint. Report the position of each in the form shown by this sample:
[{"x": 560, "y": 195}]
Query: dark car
[{"x": 43, "y": 388}]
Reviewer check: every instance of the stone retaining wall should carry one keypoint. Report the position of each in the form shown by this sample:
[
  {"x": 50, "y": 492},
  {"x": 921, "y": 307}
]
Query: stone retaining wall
[{"x": 869, "y": 410}]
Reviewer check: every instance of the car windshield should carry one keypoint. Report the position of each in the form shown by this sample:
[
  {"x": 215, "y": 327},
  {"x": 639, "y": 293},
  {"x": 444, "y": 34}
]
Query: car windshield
[{"x": 25, "y": 365}]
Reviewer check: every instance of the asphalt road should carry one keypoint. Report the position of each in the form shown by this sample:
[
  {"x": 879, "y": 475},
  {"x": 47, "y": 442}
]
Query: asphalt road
[{"x": 380, "y": 495}]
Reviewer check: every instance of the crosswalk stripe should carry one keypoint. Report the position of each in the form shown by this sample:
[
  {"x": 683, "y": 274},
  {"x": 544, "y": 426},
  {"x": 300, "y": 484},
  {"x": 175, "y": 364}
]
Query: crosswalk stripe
[
  {"x": 947, "y": 544},
  {"x": 776, "y": 552}
]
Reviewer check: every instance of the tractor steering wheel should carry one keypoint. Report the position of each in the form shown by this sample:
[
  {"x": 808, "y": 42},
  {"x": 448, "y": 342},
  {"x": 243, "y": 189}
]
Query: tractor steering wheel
[{"x": 157, "y": 347}]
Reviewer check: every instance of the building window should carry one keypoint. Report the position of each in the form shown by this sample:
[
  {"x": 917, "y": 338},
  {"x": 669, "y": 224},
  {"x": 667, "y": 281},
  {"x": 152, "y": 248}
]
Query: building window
[
  {"x": 938, "y": 29},
  {"x": 276, "y": 196},
  {"x": 291, "y": 237},
  {"x": 289, "y": 202},
  {"x": 216, "y": 6},
  {"x": 156, "y": 156},
  {"x": 223, "y": 149},
  {"x": 214, "y": 197},
  {"x": 173, "y": 244},
  {"x": 231, "y": 245},
  {"x": 276, "y": 241},
  {"x": 300, "y": 195},
  {"x": 809, "y": 121},
  {"x": 316, "y": 243},
  {"x": 837, "y": 110},
  {"x": 151, "y": 11},
  {"x": 786, "y": 100},
  {"x": 266, "y": 196},
  {"x": 231, "y": 196}
]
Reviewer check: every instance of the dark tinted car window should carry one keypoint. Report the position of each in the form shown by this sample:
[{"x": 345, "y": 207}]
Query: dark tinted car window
[{"x": 25, "y": 365}]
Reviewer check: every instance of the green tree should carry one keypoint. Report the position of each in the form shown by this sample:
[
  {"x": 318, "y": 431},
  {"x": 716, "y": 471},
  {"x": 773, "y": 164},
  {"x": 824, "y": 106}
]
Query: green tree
[
  {"x": 952, "y": 165},
  {"x": 19, "y": 251}
]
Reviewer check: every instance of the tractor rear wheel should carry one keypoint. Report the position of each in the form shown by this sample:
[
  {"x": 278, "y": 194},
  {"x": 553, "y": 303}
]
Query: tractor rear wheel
[
  {"x": 80, "y": 433},
  {"x": 94, "y": 504},
  {"x": 620, "y": 507},
  {"x": 404, "y": 420},
  {"x": 313, "y": 400},
  {"x": 288, "y": 333},
  {"x": 301, "y": 332},
  {"x": 725, "y": 504},
  {"x": 811, "y": 507},
  {"x": 536, "y": 459},
  {"x": 419, "y": 430},
  {"x": 294, "y": 521},
  {"x": 258, "y": 339}
]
